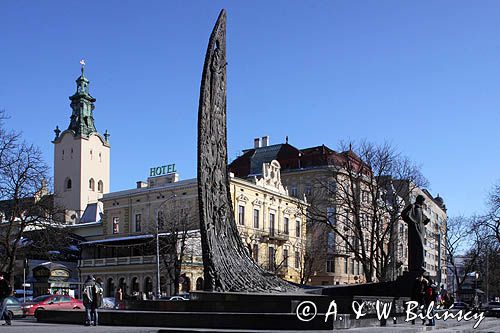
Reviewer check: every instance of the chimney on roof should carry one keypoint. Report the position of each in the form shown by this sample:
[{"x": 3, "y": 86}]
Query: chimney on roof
[
  {"x": 265, "y": 141},
  {"x": 141, "y": 184},
  {"x": 256, "y": 143}
]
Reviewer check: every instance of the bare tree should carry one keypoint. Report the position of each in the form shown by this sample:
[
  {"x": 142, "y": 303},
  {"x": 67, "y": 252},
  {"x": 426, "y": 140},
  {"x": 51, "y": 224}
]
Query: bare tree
[
  {"x": 314, "y": 257},
  {"x": 25, "y": 205},
  {"x": 361, "y": 201},
  {"x": 492, "y": 219},
  {"x": 177, "y": 241},
  {"x": 462, "y": 251},
  {"x": 485, "y": 250}
]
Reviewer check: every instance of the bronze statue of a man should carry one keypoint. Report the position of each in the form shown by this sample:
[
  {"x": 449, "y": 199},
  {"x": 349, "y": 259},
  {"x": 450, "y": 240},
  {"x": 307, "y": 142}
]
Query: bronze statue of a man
[{"x": 414, "y": 215}]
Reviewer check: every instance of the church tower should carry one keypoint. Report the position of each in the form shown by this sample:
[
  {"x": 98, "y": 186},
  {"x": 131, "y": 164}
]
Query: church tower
[{"x": 81, "y": 159}]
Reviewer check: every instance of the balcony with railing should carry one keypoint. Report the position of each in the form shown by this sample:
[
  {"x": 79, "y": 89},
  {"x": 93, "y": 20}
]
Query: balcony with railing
[
  {"x": 117, "y": 261},
  {"x": 279, "y": 236}
]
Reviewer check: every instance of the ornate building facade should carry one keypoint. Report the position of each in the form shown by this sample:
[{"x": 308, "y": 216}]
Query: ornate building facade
[
  {"x": 324, "y": 177},
  {"x": 270, "y": 222}
]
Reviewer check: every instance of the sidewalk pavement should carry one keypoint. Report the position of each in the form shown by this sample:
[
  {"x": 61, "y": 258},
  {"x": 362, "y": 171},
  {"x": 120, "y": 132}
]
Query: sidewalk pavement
[{"x": 488, "y": 325}]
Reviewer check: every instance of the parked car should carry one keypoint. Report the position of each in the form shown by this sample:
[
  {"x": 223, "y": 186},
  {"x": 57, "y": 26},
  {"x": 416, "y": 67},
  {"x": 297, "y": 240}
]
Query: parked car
[
  {"x": 460, "y": 306},
  {"x": 14, "y": 308},
  {"x": 177, "y": 298},
  {"x": 51, "y": 302},
  {"x": 492, "y": 309}
]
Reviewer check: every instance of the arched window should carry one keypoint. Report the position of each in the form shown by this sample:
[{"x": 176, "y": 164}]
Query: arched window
[
  {"x": 68, "y": 184},
  {"x": 199, "y": 283},
  {"x": 91, "y": 184},
  {"x": 100, "y": 186}
]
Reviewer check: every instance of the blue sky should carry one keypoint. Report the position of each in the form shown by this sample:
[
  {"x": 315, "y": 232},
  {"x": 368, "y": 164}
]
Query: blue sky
[{"x": 423, "y": 75}]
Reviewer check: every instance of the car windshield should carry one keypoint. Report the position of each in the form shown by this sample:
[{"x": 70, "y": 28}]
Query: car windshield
[
  {"x": 41, "y": 298},
  {"x": 12, "y": 300}
]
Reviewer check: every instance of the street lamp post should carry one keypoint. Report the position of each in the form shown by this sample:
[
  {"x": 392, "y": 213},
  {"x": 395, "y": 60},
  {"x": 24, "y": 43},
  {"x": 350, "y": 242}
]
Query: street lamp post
[
  {"x": 476, "y": 301},
  {"x": 158, "y": 286}
]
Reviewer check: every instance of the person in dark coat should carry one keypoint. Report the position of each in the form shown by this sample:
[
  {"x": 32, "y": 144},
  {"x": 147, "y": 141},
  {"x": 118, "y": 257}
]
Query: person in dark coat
[
  {"x": 414, "y": 216},
  {"x": 90, "y": 301},
  {"x": 5, "y": 291}
]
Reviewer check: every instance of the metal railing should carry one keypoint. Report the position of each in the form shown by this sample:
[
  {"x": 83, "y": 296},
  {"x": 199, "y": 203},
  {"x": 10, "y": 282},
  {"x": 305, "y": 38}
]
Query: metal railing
[{"x": 117, "y": 261}]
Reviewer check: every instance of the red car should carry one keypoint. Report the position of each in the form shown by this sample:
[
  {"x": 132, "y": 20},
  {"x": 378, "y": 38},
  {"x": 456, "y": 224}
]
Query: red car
[{"x": 51, "y": 302}]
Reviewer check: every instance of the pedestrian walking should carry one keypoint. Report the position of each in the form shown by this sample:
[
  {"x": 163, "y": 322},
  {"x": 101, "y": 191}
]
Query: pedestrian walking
[
  {"x": 5, "y": 291},
  {"x": 92, "y": 300}
]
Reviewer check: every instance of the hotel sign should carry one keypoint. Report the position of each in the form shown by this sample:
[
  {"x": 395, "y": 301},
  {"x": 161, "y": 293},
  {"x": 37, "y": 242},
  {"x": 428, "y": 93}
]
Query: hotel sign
[{"x": 162, "y": 170}]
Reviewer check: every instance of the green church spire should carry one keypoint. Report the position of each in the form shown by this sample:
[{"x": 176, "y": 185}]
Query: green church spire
[{"x": 82, "y": 104}]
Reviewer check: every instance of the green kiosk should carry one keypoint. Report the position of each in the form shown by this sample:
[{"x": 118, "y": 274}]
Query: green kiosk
[{"x": 51, "y": 278}]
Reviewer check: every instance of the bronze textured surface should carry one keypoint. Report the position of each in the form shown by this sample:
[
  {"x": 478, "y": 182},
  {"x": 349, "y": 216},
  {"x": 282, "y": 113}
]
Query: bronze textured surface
[{"x": 227, "y": 265}]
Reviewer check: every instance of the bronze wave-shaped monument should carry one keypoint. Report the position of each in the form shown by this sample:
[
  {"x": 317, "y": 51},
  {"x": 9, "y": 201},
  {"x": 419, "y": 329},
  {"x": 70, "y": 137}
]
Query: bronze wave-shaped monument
[{"x": 227, "y": 265}]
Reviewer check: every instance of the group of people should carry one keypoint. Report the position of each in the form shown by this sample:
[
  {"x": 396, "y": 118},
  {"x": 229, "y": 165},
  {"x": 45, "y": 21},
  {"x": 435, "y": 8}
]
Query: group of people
[
  {"x": 92, "y": 300},
  {"x": 425, "y": 292}
]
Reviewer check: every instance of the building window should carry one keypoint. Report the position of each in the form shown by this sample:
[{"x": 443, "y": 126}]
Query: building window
[
  {"x": 364, "y": 220},
  {"x": 332, "y": 187},
  {"x": 297, "y": 259},
  {"x": 100, "y": 157},
  {"x": 63, "y": 154},
  {"x": 330, "y": 215},
  {"x": 256, "y": 216},
  {"x": 116, "y": 225},
  {"x": 271, "y": 258},
  {"x": 352, "y": 266},
  {"x": 68, "y": 184},
  {"x": 255, "y": 252},
  {"x": 91, "y": 184},
  {"x": 364, "y": 196},
  {"x": 285, "y": 225},
  {"x": 330, "y": 265},
  {"x": 294, "y": 192},
  {"x": 91, "y": 155},
  {"x": 271, "y": 223},
  {"x": 100, "y": 186},
  {"x": 138, "y": 222},
  {"x": 297, "y": 228},
  {"x": 241, "y": 215},
  {"x": 345, "y": 265},
  {"x": 355, "y": 243},
  {"x": 308, "y": 190},
  {"x": 285, "y": 258},
  {"x": 331, "y": 242}
]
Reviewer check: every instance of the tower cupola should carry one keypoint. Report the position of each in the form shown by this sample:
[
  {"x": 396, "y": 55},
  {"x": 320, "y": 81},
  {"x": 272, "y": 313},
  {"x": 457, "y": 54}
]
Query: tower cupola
[{"x": 82, "y": 105}]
